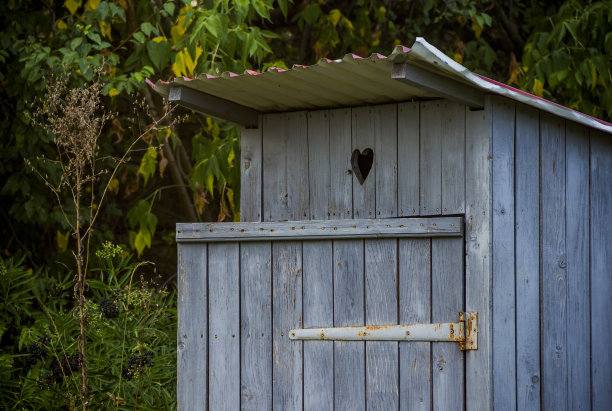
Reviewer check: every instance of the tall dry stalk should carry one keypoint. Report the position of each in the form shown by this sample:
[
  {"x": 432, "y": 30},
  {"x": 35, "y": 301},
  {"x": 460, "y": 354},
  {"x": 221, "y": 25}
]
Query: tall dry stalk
[{"x": 75, "y": 117}]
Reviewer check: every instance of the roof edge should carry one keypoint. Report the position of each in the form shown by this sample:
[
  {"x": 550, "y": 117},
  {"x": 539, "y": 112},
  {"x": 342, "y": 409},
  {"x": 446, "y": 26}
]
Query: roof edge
[{"x": 428, "y": 53}]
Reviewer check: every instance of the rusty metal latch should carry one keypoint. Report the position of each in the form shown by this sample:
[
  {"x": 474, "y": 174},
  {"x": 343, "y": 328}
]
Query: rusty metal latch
[{"x": 464, "y": 332}]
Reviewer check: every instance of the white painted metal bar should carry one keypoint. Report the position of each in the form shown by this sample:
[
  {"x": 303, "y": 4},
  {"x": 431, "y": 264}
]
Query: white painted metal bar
[
  {"x": 465, "y": 335},
  {"x": 404, "y": 332},
  {"x": 321, "y": 229}
]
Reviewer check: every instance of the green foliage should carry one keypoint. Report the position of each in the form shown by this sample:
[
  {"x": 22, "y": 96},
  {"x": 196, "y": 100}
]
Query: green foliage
[
  {"x": 131, "y": 329},
  {"x": 216, "y": 162},
  {"x": 568, "y": 58}
]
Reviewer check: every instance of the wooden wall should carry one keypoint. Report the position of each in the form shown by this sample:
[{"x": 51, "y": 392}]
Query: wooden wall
[
  {"x": 552, "y": 258},
  {"x": 430, "y": 158},
  {"x": 297, "y": 165}
]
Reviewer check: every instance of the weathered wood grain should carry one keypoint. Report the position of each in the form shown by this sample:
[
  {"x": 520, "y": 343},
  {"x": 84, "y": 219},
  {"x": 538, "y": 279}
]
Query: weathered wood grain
[
  {"x": 384, "y": 128},
  {"x": 285, "y": 167},
  {"x": 349, "y": 357},
  {"x": 415, "y": 307},
  {"x": 578, "y": 293},
  {"x": 256, "y": 325},
  {"x": 318, "y": 305},
  {"x": 601, "y": 273},
  {"x": 453, "y": 158},
  {"x": 527, "y": 258},
  {"x": 224, "y": 320},
  {"x": 250, "y": 175},
  {"x": 478, "y": 255},
  {"x": 446, "y": 302},
  {"x": 504, "y": 307},
  {"x": 408, "y": 159},
  {"x": 287, "y": 355},
  {"x": 431, "y": 156},
  {"x": 363, "y": 136},
  {"x": 554, "y": 264},
  {"x": 341, "y": 178},
  {"x": 192, "y": 346},
  {"x": 321, "y": 229},
  {"x": 275, "y": 197},
  {"x": 318, "y": 164},
  {"x": 382, "y": 362}
]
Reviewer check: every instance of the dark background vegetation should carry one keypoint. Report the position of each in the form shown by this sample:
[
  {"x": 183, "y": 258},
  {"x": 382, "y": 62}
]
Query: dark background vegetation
[{"x": 560, "y": 50}]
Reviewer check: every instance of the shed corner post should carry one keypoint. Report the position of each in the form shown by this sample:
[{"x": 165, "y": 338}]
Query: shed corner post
[{"x": 478, "y": 249}]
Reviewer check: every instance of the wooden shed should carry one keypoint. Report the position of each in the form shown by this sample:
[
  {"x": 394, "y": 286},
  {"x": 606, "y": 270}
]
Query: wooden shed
[{"x": 413, "y": 236}]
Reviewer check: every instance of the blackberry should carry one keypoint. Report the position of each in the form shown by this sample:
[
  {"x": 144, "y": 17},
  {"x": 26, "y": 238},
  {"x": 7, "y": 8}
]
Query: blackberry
[
  {"x": 136, "y": 365},
  {"x": 126, "y": 373},
  {"x": 37, "y": 350},
  {"x": 68, "y": 365},
  {"x": 109, "y": 308}
]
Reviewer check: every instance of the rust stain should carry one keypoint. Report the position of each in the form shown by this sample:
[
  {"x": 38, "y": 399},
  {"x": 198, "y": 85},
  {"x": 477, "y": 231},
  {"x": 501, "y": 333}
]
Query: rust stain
[{"x": 377, "y": 327}]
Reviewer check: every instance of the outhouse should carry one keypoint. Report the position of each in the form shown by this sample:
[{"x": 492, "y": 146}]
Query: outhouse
[{"x": 413, "y": 236}]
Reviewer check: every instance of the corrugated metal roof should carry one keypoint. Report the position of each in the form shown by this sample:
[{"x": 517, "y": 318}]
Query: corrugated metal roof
[{"x": 354, "y": 81}]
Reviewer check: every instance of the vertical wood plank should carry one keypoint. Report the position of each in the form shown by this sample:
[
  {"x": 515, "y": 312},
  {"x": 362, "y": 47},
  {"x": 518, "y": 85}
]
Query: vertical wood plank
[
  {"x": 577, "y": 232},
  {"x": 446, "y": 303},
  {"x": 382, "y": 365},
  {"x": 527, "y": 258},
  {"x": 478, "y": 255},
  {"x": 431, "y": 157},
  {"x": 287, "y": 314},
  {"x": 415, "y": 307},
  {"x": 554, "y": 264},
  {"x": 318, "y": 164},
  {"x": 224, "y": 317},
  {"x": 296, "y": 128},
  {"x": 256, "y": 325},
  {"x": 504, "y": 307},
  {"x": 384, "y": 127},
  {"x": 318, "y": 312},
  {"x": 341, "y": 184},
  {"x": 285, "y": 165},
  {"x": 363, "y": 136},
  {"x": 408, "y": 159},
  {"x": 453, "y": 158},
  {"x": 349, "y": 357},
  {"x": 250, "y": 176},
  {"x": 601, "y": 274},
  {"x": 274, "y": 185},
  {"x": 192, "y": 359}
]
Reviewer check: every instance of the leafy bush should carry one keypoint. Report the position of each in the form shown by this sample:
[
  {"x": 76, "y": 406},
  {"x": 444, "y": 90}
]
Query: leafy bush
[{"x": 130, "y": 335}]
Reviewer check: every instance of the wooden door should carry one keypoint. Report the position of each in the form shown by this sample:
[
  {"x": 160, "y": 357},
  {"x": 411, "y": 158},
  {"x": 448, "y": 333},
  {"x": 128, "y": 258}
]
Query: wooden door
[{"x": 275, "y": 277}]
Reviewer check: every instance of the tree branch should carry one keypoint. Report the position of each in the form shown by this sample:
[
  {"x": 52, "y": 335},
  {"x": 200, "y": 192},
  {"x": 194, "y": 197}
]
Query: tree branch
[{"x": 510, "y": 28}]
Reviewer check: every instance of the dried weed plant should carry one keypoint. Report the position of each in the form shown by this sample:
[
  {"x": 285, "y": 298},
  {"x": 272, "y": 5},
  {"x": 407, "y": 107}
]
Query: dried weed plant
[{"x": 76, "y": 118}]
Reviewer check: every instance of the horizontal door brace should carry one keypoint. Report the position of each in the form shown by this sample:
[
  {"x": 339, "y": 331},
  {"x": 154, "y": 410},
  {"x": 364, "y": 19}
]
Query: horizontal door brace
[{"x": 464, "y": 332}]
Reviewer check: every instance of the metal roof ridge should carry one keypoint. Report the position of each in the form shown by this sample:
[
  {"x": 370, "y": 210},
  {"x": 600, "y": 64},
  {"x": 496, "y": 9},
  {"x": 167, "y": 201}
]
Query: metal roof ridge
[{"x": 425, "y": 51}]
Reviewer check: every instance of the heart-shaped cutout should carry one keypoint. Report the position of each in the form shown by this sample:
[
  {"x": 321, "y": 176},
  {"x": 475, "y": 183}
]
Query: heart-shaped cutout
[{"x": 362, "y": 163}]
